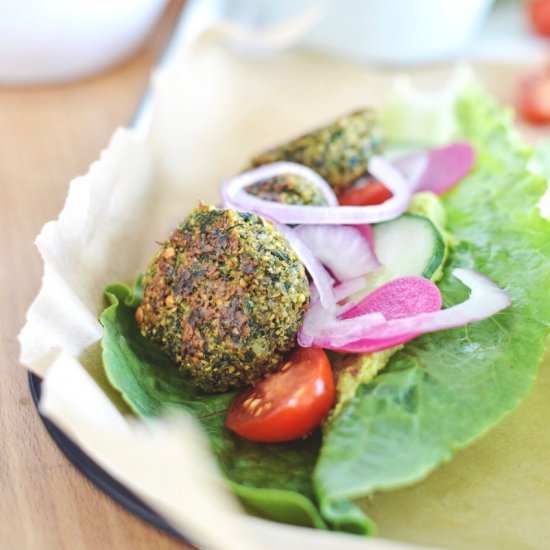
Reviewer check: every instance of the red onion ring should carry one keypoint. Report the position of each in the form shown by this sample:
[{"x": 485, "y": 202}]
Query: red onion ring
[
  {"x": 321, "y": 279},
  {"x": 239, "y": 183},
  {"x": 340, "y": 248},
  {"x": 437, "y": 169},
  {"x": 234, "y": 196},
  {"x": 318, "y": 322},
  {"x": 346, "y": 289}
]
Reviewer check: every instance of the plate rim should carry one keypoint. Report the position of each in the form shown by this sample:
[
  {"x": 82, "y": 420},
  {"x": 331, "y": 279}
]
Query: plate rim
[{"x": 103, "y": 481}]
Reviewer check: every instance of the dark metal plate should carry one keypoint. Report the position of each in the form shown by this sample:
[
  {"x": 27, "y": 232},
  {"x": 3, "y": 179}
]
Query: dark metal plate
[{"x": 99, "y": 477}]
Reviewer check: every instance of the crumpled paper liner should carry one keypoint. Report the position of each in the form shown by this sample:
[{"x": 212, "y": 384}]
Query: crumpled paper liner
[
  {"x": 98, "y": 237},
  {"x": 215, "y": 108}
]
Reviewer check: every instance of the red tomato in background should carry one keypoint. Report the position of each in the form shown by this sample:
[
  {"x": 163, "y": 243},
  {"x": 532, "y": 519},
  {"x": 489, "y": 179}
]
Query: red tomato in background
[
  {"x": 287, "y": 404},
  {"x": 371, "y": 193},
  {"x": 534, "y": 98},
  {"x": 539, "y": 16}
]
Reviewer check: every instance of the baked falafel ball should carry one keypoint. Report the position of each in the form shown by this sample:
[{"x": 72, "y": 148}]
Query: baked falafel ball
[
  {"x": 288, "y": 189},
  {"x": 339, "y": 152},
  {"x": 224, "y": 297}
]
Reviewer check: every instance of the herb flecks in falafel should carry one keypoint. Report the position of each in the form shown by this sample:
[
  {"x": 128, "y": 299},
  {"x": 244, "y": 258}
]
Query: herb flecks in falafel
[
  {"x": 339, "y": 152},
  {"x": 288, "y": 189},
  {"x": 224, "y": 297}
]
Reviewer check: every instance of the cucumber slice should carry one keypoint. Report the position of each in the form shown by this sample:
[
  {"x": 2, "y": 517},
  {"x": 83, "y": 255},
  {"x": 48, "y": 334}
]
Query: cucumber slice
[{"x": 408, "y": 245}]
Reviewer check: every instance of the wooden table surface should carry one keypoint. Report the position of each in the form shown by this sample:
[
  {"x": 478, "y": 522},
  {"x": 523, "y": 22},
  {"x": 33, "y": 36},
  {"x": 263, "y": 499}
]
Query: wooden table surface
[{"x": 48, "y": 136}]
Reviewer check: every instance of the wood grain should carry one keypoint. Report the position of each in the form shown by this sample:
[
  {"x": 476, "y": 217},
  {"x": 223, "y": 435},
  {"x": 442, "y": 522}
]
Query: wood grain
[{"x": 48, "y": 136}]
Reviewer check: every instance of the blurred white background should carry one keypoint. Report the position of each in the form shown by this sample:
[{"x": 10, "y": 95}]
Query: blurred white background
[{"x": 46, "y": 41}]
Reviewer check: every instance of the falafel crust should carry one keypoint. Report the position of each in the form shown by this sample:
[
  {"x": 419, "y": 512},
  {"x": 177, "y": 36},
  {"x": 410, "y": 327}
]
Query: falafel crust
[
  {"x": 339, "y": 152},
  {"x": 224, "y": 297},
  {"x": 288, "y": 189}
]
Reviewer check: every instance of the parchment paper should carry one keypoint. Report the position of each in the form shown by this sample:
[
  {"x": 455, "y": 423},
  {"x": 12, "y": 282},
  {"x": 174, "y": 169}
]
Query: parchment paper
[{"x": 214, "y": 108}]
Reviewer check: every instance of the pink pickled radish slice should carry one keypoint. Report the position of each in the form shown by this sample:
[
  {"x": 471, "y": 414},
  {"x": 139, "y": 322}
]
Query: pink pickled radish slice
[
  {"x": 370, "y": 330},
  {"x": 438, "y": 169}
]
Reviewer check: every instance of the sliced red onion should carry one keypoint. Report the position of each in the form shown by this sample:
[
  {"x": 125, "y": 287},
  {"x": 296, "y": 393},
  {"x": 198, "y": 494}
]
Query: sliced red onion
[
  {"x": 321, "y": 279},
  {"x": 342, "y": 249},
  {"x": 318, "y": 322},
  {"x": 486, "y": 298},
  {"x": 362, "y": 334},
  {"x": 366, "y": 231},
  {"x": 313, "y": 293},
  {"x": 349, "y": 288},
  {"x": 412, "y": 166},
  {"x": 233, "y": 187},
  {"x": 437, "y": 169},
  {"x": 341, "y": 291},
  {"x": 234, "y": 196}
]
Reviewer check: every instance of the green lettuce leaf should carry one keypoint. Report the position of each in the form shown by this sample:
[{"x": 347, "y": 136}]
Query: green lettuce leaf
[
  {"x": 273, "y": 481},
  {"x": 445, "y": 389},
  {"x": 540, "y": 164}
]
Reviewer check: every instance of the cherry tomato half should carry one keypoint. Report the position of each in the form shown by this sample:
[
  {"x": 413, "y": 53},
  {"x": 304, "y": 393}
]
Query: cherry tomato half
[
  {"x": 534, "y": 98},
  {"x": 371, "y": 193},
  {"x": 287, "y": 404},
  {"x": 539, "y": 16}
]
